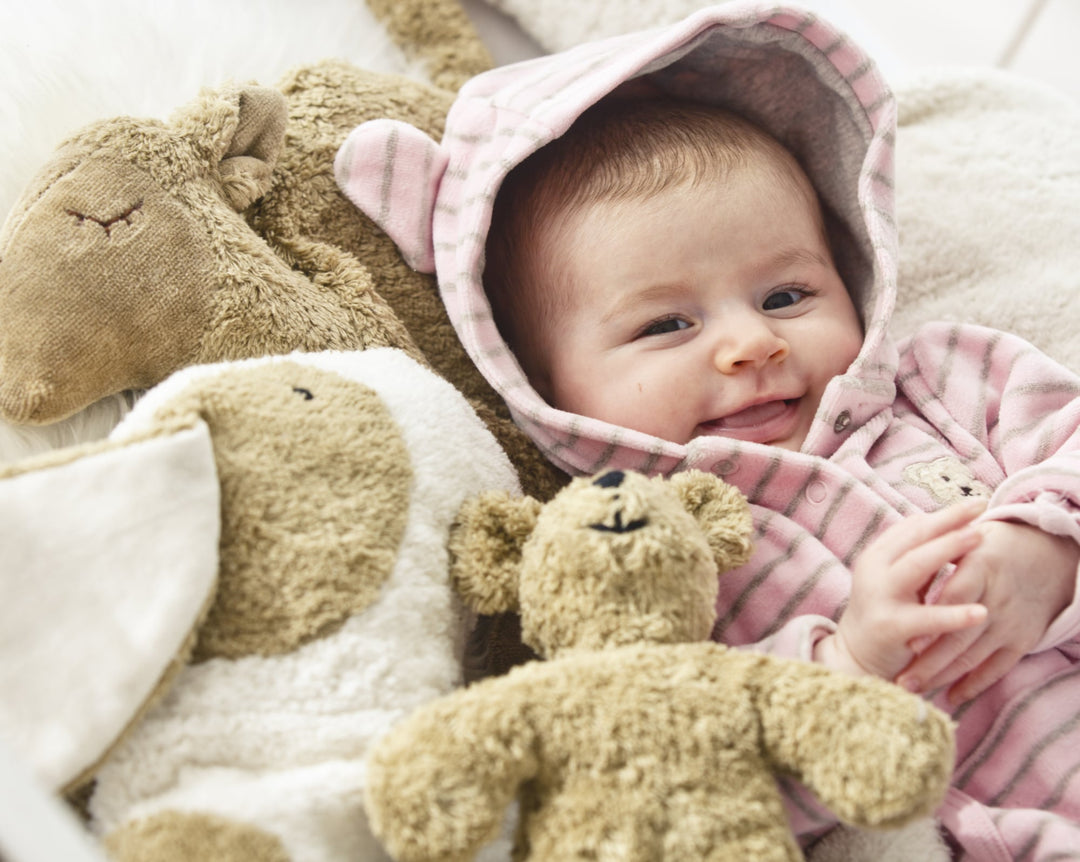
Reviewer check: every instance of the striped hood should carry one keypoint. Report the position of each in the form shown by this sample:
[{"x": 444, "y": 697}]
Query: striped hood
[{"x": 785, "y": 69}]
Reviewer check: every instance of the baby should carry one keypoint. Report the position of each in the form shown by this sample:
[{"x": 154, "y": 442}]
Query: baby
[
  {"x": 676, "y": 249},
  {"x": 664, "y": 266}
]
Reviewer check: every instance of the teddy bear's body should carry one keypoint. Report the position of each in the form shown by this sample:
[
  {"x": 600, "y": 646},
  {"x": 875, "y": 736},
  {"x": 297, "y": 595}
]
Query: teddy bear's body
[{"x": 647, "y": 753}]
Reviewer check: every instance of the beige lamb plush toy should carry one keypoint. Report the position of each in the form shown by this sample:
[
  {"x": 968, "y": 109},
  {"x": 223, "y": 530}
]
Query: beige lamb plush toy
[
  {"x": 214, "y": 612},
  {"x": 142, "y": 246},
  {"x": 637, "y": 741}
]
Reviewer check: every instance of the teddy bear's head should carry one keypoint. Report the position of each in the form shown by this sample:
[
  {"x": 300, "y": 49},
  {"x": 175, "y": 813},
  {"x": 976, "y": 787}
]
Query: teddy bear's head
[{"x": 611, "y": 560}]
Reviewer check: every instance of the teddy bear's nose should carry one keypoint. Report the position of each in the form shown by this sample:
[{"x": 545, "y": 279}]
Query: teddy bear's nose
[{"x": 611, "y": 479}]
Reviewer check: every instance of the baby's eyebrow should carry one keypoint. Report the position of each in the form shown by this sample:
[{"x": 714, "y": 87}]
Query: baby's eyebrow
[{"x": 795, "y": 254}]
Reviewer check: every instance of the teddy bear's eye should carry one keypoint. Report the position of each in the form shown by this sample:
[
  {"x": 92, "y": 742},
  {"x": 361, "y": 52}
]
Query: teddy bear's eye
[{"x": 300, "y": 390}]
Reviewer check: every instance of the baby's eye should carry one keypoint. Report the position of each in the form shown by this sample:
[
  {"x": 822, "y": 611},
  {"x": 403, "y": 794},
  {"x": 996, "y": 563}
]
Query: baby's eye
[
  {"x": 664, "y": 326},
  {"x": 785, "y": 298}
]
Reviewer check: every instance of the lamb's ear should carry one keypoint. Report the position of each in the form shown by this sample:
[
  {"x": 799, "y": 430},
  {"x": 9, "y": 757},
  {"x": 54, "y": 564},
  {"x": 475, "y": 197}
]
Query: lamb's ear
[
  {"x": 722, "y": 513},
  {"x": 248, "y": 164},
  {"x": 486, "y": 541},
  {"x": 242, "y": 130},
  {"x": 110, "y": 551}
]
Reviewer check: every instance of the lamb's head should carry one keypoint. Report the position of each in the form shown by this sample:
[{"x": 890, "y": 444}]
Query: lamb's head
[{"x": 129, "y": 257}]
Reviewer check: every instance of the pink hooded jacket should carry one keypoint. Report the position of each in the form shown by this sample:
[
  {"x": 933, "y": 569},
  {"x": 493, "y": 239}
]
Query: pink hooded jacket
[{"x": 953, "y": 411}]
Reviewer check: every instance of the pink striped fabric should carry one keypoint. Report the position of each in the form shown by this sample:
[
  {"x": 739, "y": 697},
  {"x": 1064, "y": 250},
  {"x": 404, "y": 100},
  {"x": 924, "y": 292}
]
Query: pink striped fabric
[{"x": 955, "y": 410}]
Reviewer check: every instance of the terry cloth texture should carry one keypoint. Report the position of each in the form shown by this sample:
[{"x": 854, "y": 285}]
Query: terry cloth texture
[{"x": 951, "y": 411}]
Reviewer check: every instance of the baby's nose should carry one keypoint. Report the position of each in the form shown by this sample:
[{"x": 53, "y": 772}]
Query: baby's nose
[{"x": 749, "y": 344}]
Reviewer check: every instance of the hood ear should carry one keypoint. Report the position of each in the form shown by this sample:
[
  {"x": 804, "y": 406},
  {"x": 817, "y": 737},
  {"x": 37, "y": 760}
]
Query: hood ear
[
  {"x": 722, "y": 513},
  {"x": 392, "y": 172},
  {"x": 486, "y": 542},
  {"x": 242, "y": 131}
]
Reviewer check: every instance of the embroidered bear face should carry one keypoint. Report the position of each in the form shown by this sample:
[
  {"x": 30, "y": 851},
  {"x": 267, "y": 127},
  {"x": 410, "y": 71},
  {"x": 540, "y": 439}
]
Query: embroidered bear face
[{"x": 947, "y": 479}]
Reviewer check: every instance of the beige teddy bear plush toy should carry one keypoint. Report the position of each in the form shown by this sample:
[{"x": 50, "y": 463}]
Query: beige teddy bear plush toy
[{"x": 637, "y": 739}]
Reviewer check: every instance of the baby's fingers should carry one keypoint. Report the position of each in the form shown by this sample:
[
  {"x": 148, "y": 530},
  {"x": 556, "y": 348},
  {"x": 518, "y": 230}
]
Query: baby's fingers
[
  {"x": 914, "y": 569},
  {"x": 949, "y": 659},
  {"x": 984, "y": 676},
  {"x": 931, "y": 622},
  {"x": 917, "y": 531}
]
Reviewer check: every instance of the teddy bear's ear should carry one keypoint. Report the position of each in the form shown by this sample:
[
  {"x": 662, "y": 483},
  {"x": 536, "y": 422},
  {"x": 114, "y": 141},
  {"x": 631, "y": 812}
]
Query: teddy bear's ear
[
  {"x": 485, "y": 549},
  {"x": 722, "y": 512},
  {"x": 243, "y": 130}
]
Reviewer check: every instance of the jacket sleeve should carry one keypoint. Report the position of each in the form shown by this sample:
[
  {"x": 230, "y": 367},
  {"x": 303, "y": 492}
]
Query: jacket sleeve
[{"x": 992, "y": 392}]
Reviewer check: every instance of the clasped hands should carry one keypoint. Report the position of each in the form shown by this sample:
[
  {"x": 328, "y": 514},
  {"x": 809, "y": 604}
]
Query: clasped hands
[{"x": 1010, "y": 581}]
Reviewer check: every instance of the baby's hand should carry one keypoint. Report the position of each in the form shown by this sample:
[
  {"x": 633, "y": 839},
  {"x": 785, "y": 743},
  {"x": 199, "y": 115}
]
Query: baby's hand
[
  {"x": 1025, "y": 578},
  {"x": 886, "y": 613}
]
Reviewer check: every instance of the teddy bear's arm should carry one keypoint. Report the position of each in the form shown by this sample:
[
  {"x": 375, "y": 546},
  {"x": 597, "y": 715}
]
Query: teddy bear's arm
[
  {"x": 439, "y": 784},
  {"x": 874, "y": 754}
]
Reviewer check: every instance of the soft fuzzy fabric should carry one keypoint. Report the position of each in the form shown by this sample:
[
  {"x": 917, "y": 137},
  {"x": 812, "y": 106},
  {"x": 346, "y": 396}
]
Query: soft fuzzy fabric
[{"x": 331, "y": 615}]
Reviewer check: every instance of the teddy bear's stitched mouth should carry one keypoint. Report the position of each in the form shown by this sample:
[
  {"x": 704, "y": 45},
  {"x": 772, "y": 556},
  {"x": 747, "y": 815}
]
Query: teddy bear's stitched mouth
[{"x": 619, "y": 526}]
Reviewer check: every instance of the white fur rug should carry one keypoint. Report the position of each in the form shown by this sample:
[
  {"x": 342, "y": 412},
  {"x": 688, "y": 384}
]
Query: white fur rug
[{"x": 66, "y": 64}]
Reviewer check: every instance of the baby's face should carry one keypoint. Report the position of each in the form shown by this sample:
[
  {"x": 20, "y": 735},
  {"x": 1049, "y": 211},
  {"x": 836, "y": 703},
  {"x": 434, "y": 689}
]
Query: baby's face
[{"x": 714, "y": 310}]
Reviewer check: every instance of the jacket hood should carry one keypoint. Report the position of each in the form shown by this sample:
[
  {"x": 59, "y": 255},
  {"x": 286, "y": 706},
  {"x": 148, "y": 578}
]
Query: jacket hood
[{"x": 783, "y": 68}]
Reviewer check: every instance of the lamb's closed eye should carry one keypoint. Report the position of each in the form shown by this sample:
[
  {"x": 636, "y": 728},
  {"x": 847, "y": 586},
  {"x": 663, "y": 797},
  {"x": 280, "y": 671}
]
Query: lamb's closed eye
[{"x": 107, "y": 223}]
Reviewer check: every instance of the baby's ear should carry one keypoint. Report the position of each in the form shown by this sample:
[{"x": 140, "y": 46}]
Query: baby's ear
[
  {"x": 722, "y": 513},
  {"x": 486, "y": 541}
]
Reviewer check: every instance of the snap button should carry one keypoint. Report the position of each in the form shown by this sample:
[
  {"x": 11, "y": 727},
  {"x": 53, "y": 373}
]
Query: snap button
[
  {"x": 726, "y": 467},
  {"x": 816, "y": 492},
  {"x": 842, "y": 421}
]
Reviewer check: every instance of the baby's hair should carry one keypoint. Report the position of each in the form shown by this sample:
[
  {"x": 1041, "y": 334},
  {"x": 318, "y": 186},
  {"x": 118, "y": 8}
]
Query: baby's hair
[{"x": 620, "y": 149}]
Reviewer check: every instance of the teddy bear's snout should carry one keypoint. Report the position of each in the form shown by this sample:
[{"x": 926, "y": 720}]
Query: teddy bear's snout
[
  {"x": 614, "y": 479},
  {"x": 610, "y": 479}
]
